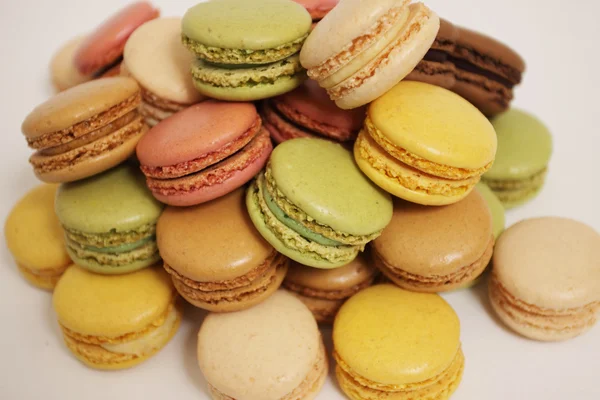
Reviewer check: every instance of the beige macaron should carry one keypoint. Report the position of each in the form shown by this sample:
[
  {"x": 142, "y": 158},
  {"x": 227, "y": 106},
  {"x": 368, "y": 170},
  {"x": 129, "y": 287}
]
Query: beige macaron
[
  {"x": 545, "y": 281},
  {"x": 272, "y": 351},
  {"x": 63, "y": 72},
  {"x": 155, "y": 57}
]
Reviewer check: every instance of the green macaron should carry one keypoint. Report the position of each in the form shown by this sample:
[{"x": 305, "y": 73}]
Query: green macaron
[
  {"x": 495, "y": 206},
  {"x": 524, "y": 151},
  {"x": 314, "y": 205},
  {"x": 246, "y": 50},
  {"x": 110, "y": 221}
]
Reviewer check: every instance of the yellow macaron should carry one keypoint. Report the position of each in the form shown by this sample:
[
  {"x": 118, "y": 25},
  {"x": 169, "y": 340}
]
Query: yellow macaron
[
  {"x": 397, "y": 345},
  {"x": 425, "y": 144},
  {"x": 35, "y": 238},
  {"x": 116, "y": 321}
]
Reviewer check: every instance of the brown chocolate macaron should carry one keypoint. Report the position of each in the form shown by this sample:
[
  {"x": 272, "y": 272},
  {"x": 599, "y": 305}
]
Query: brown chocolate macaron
[
  {"x": 436, "y": 68},
  {"x": 436, "y": 249},
  {"x": 486, "y": 71},
  {"x": 325, "y": 290},
  {"x": 216, "y": 258},
  {"x": 85, "y": 130}
]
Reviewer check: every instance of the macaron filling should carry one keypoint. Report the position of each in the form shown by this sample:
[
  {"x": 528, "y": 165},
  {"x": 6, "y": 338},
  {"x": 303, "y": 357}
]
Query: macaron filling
[
  {"x": 242, "y": 56},
  {"x": 154, "y": 109}
]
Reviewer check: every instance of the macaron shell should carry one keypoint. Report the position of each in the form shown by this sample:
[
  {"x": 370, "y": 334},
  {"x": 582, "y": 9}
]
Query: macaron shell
[
  {"x": 321, "y": 179},
  {"x": 434, "y": 124},
  {"x": 495, "y": 206},
  {"x": 231, "y": 245},
  {"x": 33, "y": 233},
  {"x": 106, "y": 43},
  {"x": 276, "y": 343},
  {"x": 46, "y": 281},
  {"x": 395, "y": 337},
  {"x": 156, "y": 58},
  {"x": 318, "y": 8},
  {"x": 550, "y": 262},
  {"x": 239, "y": 24},
  {"x": 111, "y": 306},
  {"x": 62, "y": 67},
  {"x": 524, "y": 146},
  {"x": 116, "y": 201}
]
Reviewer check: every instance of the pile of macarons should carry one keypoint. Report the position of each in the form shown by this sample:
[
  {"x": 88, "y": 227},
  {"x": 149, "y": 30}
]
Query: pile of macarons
[{"x": 281, "y": 169}]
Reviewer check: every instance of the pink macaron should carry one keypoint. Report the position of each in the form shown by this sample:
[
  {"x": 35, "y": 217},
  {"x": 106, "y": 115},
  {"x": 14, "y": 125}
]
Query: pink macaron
[
  {"x": 100, "y": 54},
  {"x": 318, "y": 8},
  {"x": 308, "y": 112},
  {"x": 204, "y": 152}
]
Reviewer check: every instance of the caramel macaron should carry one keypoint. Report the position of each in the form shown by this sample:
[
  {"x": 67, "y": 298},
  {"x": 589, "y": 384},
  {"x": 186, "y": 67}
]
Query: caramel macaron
[
  {"x": 216, "y": 258},
  {"x": 324, "y": 291},
  {"x": 436, "y": 249},
  {"x": 85, "y": 130}
]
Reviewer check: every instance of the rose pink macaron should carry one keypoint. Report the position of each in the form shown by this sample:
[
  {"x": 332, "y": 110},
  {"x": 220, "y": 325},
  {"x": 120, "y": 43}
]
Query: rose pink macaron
[
  {"x": 100, "y": 54},
  {"x": 318, "y": 8},
  {"x": 308, "y": 112},
  {"x": 204, "y": 152}
]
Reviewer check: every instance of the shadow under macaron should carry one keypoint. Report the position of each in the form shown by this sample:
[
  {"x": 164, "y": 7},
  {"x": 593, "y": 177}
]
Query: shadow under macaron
[{"x": 192, "y": 320}]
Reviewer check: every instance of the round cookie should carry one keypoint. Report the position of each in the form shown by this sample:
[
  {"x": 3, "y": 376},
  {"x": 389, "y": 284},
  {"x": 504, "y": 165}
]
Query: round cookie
[{"x": 63, "y": 72}]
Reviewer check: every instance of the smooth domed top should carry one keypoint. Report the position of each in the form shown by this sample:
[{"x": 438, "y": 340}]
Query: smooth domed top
[
  {"x": 392, "y": 336},
  {"x": 111, "y": 305},
  {"x": 550, "y": 262},
  {"x": 436, "y": 124},
  {"x": 264, "y": 352},
  {"x": 249, "y": 25},
  {"x": 322, "y": 179},
  {"x": 116, "y": 200},
  {"x": 214, "y": 241}
]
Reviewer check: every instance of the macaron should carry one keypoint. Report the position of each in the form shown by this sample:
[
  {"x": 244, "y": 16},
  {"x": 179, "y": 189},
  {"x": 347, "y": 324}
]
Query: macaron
[
  {"x": 495, "y": 206},
  {"x": 246, "y": 50},
  {"x": 435, "y": 249},
  {"x": 110, "y": 221},
  {"x": 204, "y": 152},
  {"x": 313, "y": 204},
  {"x": 436, "y": 67},
  {"x": 425, "y": 144},
  {"x": 486, "y": 71},
  {"x": 84, "y": 130},
  {"x": 156, "y": 59},
  {"x": 545, "y": 282},
  {"x": 394, "y": 344},
  {"x": 35, "y": 238},
  {"x": 215, "y": 257},
  {"x": 63, "y": 72},
  {"x": 318, "y": 9},
  {"x": 273, "y": 351},
  {"x": 360, "y": 50},
  {"x": 325, "y": 290},
  {"x": 102, "y": 50},
  {"x": 307, "y": 111},
  {"x": 116, "y": 322},
  {"x": 524, "y": 151}
]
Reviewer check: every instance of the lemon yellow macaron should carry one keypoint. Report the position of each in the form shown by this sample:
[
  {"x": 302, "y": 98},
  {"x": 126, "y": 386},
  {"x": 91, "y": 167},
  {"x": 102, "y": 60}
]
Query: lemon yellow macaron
[
  {"x": 425, "y": 144},
  {"x": 393, "y": 344},
  {"x": 114, "y": 322},
  {"x": 35, "y": 238}
]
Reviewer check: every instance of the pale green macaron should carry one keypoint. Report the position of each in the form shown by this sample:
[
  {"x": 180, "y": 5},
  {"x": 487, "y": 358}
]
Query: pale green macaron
[
  {"x": 524, "y": 151},
  {"x": 495, "y": 206}
]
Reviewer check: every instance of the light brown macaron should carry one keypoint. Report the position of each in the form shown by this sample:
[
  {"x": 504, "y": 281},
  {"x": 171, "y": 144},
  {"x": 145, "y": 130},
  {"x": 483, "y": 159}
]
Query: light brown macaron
[
  {"x": 273, "y": 351},
  {"x": 436, "y": 249},
  {"x": 325, "y": 290},
  {"x": 545, "y": 281},
  {"x": 85, "y": 130},
  {"x": 215, "y": 256},
  {"x": 63, "y": 72}
]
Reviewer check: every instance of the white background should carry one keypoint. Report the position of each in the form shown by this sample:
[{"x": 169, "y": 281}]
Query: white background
[{"x": 559, "y": 41}]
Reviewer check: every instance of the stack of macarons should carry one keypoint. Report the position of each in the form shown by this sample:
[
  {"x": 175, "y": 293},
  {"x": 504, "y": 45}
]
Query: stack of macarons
[{"x": 213, "y": 170}]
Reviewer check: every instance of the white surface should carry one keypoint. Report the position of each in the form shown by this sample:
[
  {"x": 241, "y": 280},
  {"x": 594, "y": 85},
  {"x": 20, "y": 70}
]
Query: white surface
[{"x": 559, "y": 42}]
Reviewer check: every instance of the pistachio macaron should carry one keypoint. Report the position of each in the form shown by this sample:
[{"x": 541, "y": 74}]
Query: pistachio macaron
[
  {"x": 524, "y": 151},
  {"x": 435, "y": 249},
  {"x": 110, "y": 221},
  {"x": 314, "y": 205},
  {"x": 545, "y": 281},
  {"x": 393, "y": 344},
  {"x": 36, "y": 239},
  {"x": 116, "y": 322},
  {"x": 273, "y": 351},
  {"x": 425, "y": 144},
  {"x": 216, "y": 258},
  {"x": 495, "y": 206}
]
